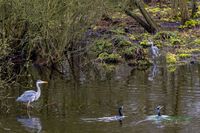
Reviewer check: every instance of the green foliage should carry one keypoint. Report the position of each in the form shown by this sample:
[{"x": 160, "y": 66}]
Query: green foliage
[
  {"x": 154, "y": 10},
  {"x": 176, "y": 40},
  {"x": 118, "y": 31},
  {"x": 196, "y": 41},
  {"x": 4, "y": 48},
  {"x": 190, "y": 24},
  {"x": 171, "y": 58},
  {"x": 165, "y": 35},
  {"x": 47, "y": 27},
  {"x": 173, "y": 38},
  {"x": 102, "y": 45},
  {"x": 171, "y": 68},
  {"x": 103, "y": 55},
  {"x": 129, "y": 50},
  {"x": 144, "y": 43},
  {"x": 197, "y": 15},
  {"x": 131, "y": 36},
  {"x": 183, "y": 55},
  {"x": 109, "y": 58},
  {"x": 121, "y": 41},
  {"x": 50, "y": 26}
]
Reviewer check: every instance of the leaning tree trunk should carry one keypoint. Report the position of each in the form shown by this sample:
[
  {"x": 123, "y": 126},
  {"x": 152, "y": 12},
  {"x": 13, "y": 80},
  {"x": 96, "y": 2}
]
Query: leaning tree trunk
[
  {"x": 140, "y": 21},
  {"x": 150, "y": 26}
]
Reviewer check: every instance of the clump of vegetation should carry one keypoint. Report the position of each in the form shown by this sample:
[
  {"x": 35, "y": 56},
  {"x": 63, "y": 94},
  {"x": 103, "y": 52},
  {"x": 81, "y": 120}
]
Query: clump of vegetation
[
  {"x": 171, "y": 68},
  {"x": 190, "y": 24},
  {"x": 183, "y": 55},
  {"x": 171, "y": 58},
  {"x": 128, "y": 53},
  {"x": 140, "y": 64},
  {"x": 165, "y": 35},
  {"x": 131, "y": 37},
  {"x": 196, "y": 42},
  {"x": 109, "y": 58},
  {"x": 102, "y": 45},
  {"x": 144, "y": 43},
  {"x": 118, "y": 31},
  {"x": 176, "y": 41},
  {"x": 121, "y": 41}
]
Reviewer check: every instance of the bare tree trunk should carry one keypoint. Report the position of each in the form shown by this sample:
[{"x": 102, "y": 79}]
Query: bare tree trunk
[
  {"x": 184, "y": 11},
  {"x": 150, "y": 26},
  {"x": 146, "y": 15},
  {"x": 194, "y": 8},
  {"x": 175, "y": 5},
  {"x": 140, "y": 21}
]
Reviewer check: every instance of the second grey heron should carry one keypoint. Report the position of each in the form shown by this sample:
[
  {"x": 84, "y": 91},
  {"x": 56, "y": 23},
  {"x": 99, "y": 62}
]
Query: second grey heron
[{"x": 154, "y": 50}]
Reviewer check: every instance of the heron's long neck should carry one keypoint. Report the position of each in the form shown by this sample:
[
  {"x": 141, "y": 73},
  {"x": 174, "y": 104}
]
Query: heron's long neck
[
  {"x": 158, "y": 112},
  {"x": 38, "y": 88},
  {"x": 120, "y": 112}
]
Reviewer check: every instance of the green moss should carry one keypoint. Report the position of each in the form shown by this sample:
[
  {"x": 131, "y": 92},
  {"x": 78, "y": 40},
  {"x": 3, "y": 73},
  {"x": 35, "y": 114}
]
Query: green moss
[
  {"x": 188, "y": 51},
  {"x": 154, "y": 10},
  {"x": 109, "y": 58},
  {"x": 197, "y": 15},
  {"x": 144, "y": 43},
  {"x": 190, "y": 24},
  {"x": 165, "y": 35},
  {"x": 114, "y": 56},
  {"x": 103, "y": 55},
  {"x": 131, "y": 36},
  {"x": 118, "y": 15},
  {"x": 183, "y": 55},
  {"x": 121, "y": 41},
  {"x": 196, "y": 41},
  {"x": 171, "y": 58},
  {"x": 129, "y": 50},
  {"x": 144, "y": 62},
  {"x": 128, "y": 53},
  {"x": 140, "y": 64},
  {"x": 102, "y": 45},
  {"x": 171, "y": 68},
  {"x": 176, "y": 41},
  {"x": 118, "y": 31}
]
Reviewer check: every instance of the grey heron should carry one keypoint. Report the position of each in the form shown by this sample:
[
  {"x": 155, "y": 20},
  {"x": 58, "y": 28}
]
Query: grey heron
[
  {"x": 31, "y": 95},
  {"x": 154, "y": 50}
]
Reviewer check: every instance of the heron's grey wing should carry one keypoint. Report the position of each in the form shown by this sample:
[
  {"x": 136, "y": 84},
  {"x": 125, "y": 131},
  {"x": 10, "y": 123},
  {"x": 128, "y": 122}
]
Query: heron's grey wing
[
  {"x": 156, "y": 50},
  {"x": 27, "y": 96}
]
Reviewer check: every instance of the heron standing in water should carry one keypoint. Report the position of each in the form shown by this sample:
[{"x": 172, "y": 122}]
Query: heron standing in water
[
  {"x": 154, "y": 50},
  {"x": 31, "y": 95}
]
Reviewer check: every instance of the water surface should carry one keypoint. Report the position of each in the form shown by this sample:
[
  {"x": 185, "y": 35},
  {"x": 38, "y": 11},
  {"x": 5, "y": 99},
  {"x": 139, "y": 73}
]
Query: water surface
[{"x": 67, "y": 100}]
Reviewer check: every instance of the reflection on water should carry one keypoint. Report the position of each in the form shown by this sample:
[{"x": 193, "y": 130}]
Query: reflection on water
[
  {"x": 31, "y": 124},
  {"x": 105, "y": 119},
  {"x": 153, "y": 73}
]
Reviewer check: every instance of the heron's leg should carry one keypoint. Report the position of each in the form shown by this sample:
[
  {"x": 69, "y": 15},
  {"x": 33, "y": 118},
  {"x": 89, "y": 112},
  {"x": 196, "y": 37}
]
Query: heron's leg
[{"x": 28, "y": 104}]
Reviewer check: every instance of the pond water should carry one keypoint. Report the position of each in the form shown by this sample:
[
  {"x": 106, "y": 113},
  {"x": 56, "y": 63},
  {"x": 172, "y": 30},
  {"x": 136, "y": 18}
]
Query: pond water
[{"x": 67, "y": 103}]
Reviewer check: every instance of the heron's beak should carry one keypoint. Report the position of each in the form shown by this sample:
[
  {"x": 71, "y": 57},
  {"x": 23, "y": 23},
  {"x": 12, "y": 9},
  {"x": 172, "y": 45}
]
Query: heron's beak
[{"x": 45, "y": 82}]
